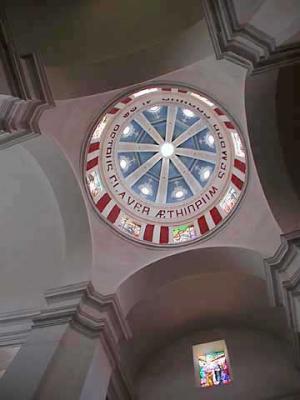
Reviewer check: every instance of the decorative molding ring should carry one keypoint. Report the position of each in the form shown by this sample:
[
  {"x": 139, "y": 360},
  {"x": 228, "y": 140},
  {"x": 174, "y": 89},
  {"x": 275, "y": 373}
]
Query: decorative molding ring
[
  {"x": 283, "y": 277},
  {"x": 165, "y": 165},
  {"x": 85, "y": 310},
  {"x": 244, "y": 44}
]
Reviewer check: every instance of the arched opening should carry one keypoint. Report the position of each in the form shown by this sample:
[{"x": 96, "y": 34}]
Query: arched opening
[
  {"x": 288, "y": 116},
  {"x": 199, "y": 290},
  {"x": 84, "y": 41},
  {"x": 273, "y": 144},
  {"x": 46, "y": 235},
  {"x": 260, "y": 363}
]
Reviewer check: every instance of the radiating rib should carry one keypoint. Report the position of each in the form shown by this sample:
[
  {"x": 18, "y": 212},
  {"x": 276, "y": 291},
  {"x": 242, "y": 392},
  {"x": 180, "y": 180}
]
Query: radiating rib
[
  {"x": 198, "y": 154},
  {"x": 141, "y": 170},
  {"x": 171, "y": 119},
  {"x": 163, "y": 181},
  {"x": 190, "y": 132},
  {"x": 192, "y": 182},
  {"x": 146, "y": 125},
  {"x": 125, "y": 147}
]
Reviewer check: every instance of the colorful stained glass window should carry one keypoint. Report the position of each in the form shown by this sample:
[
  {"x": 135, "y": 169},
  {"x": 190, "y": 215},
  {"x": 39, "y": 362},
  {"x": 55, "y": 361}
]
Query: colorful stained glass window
[
  {"x": 183, "y": 232},
  {"x": 130, "y": 226},
  {"x": 163, "y": 166},
  {"x": 99, "y": 129},
  {"x": 238, "y": 145},
  {"x": 229, "y": 200},
  {"x": 213, "y": 369},
  {"x": 94, "y": 183},
  {"x": 211, "y": 363}
]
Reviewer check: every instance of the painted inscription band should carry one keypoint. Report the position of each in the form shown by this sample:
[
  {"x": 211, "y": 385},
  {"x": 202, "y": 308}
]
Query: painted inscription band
[{"x": 161, "y": 222}]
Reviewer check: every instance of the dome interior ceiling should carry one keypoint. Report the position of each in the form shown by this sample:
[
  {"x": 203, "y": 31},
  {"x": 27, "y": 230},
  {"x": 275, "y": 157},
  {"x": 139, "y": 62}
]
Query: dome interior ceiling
[
  {"x": 71, "y": 31},
  {"x": 217, "y": 288}
]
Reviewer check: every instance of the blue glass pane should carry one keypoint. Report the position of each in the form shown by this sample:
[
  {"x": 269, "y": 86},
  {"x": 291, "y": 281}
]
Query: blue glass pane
[
  {"x": 205, "y": 141},
  {"x": 178, "y": 191},
  {"x": 159, "y": 115},
  {"x": 144, "y": 156},
  {"x": 146, "y": 188},
  {"x": 154, "y": 172},
  {"x": 202, "y": 171},
  {"x": 129, "y": 161}
]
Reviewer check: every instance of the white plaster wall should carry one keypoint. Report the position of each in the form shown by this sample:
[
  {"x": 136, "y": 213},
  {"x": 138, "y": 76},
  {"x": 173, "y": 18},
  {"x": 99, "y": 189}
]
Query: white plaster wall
[
  {"x": 40, "y": 246},
  {"x": 246, "y": 9},
  {"x": 85, "y": 44},
  {"x": 26, "y": 371},
  {"x": 261, "y": 368},
  {"x": 115, "y": 258},
  {"x": 32, "y": 239},
  {"x": 261, "y": 92},
  {"x": 148, "y": 282},
  {"x": 98, "y": 376},
  {"x": 277, "y": 18},
  {"x": 63, "y": 182},
  {"x": 7, "y": 354}
]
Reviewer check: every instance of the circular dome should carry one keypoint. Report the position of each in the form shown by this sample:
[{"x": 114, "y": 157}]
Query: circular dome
[{"x": 165, "y": 165}]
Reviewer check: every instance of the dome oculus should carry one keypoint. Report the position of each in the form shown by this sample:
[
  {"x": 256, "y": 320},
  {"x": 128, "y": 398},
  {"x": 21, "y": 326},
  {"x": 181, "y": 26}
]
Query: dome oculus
[{"x": 165, "y": 165}]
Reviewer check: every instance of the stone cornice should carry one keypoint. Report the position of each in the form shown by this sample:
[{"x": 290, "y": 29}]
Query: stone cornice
[
  {"x": 77, "y": 303},
  {"x": 281, "y": 267},
  {"x": 283, "y": 277},
  {"x": 15, "y": 327},
  {"x": 30, "y": 92},
  {"x": 244, "y": 44},
  {"x": 87, "y": 311}
]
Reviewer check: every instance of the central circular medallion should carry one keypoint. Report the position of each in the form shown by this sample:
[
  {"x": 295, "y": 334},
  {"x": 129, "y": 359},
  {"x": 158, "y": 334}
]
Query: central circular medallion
[
  {"x": 165, "y": 165},
  {"x": 167, "y": 149},
  {"x": 158, "y": 162}
]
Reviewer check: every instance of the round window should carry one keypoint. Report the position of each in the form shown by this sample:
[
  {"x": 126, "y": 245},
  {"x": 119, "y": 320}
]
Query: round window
[{"x": 165, "y": 165}]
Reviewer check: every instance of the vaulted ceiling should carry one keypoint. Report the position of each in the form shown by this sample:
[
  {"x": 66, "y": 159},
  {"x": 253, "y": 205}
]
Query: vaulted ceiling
[{"x": 91, "y": 53}]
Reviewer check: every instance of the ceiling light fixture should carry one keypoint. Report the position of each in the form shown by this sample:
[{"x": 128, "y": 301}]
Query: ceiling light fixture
[
  {"x": 188, "y": 113},
  {"x": 154, "y": 109},
  {"x": 205, "y": 174},
  {"x": 210, "y": 140},
  {"x": 127, "y": 131},
  {"x": 167, "y": 149},
  {"x": 145, "y": 190},
  {"x": 179, "y": 194},
  {"x": 123, "y": 163}
]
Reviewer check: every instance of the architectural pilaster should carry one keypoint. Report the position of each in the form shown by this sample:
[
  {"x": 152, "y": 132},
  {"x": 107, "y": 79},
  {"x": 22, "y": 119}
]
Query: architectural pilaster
[
  {"x": 72, "y": 345},
  {"x": 27, "y": 93},
  {"x": 283, "y": 273}
]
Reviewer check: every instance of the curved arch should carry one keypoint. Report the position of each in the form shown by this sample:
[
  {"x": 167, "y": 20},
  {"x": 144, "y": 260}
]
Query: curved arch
[
  {"x": 185, "y": 264},
  {"x": 70, "y": 202},
  {"x": 99, "y": 39},
  {"x": 42, "y": 239},
  {"x": 268, "y": 153},
  {"x": 169, "y": 372},
  {"x": 288, "y": 115},
  {"x": 198, "y": 289}
]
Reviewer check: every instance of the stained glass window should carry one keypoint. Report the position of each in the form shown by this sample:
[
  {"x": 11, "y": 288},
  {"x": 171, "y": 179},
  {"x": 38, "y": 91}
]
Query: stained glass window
[
  {"x": 94, "y": 183},
  {"x": 99, "y": 129},
  {"x": 159, "y": 171},
  {"x": 213, "y": 369},
  {"x": 229, "y": 200},
  {"x": 183, "y": 233},
  {"x": 130, "y": 226},
  {"x": 211, "y": 364},
  {"x": 238, "y": 146}
]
